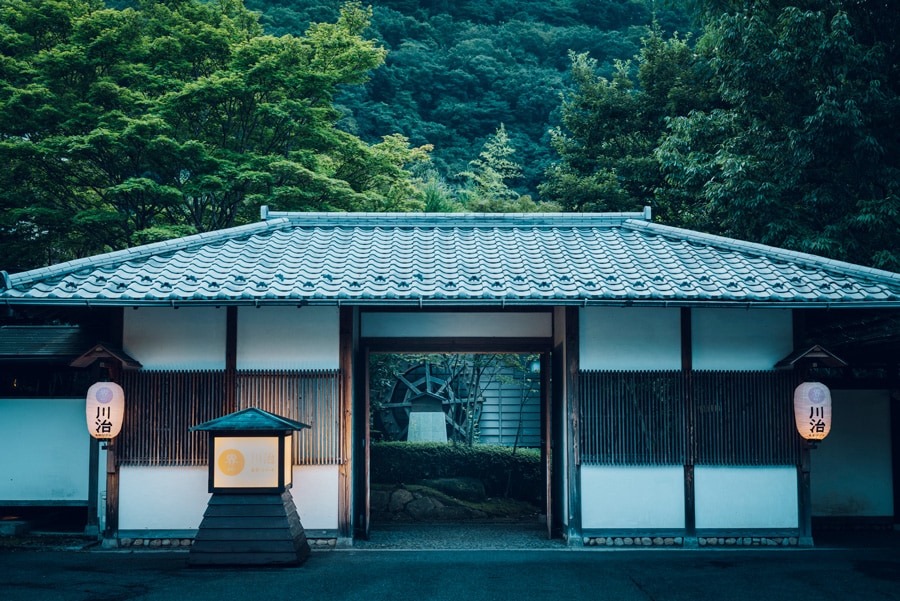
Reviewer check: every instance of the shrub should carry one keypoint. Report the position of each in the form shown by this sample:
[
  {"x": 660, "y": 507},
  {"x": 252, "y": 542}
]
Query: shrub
[{"x": 503, "y": 472}]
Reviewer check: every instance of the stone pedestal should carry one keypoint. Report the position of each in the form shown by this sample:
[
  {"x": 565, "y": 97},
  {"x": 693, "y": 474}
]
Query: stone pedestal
[{"x": 250, "y": 529}]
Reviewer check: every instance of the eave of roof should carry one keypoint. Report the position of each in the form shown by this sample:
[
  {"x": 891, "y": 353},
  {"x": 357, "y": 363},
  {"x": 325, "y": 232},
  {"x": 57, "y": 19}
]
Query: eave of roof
[{"x": 455, "y": 260}]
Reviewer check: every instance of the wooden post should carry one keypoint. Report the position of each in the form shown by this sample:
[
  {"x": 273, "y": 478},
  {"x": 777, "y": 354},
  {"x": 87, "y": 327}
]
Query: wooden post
[
  {"x": 117, "y": 332},
  {"x": 895, "y": 440},
  {"x": 112, "y": 465},
  {"x": 546, "y": 437},
  {"x": 573, "y": 434},
  {"x": 687, "y": 367},
  {"x": 112, "y": 492},
  {"x": 345, "y": 469},
  {"x": 805, "y": 538},
  {"x": 804, "y": 483},
  {"x": 230, "y": 392},
  {"x": 92, "y": 527}
]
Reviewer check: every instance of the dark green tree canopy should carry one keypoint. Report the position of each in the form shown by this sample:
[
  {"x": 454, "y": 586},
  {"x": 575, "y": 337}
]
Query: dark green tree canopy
[
  {"x": 802, "y": 151},
  {"x": 456, "y": 71},
  {"x": 121, "y": 126},
  {"x": 775, "y": 125}
]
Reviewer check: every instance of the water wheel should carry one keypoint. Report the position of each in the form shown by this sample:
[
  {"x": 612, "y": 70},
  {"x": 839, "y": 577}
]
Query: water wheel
[{"x": 424, "y": 387}]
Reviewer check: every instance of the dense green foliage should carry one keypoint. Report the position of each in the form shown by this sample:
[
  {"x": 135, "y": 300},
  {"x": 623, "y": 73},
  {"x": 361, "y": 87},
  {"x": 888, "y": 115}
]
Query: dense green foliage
[
  {"x": 503, "y": 470},
  {"x": 610, "y": 127},
  {"x": 774, "y": 121},
  {"x": 124, "y": 126},
  {"x": 776, "y": 126},
  {"x": 802, "y": 150},
  {"x": 457, "y": 71}
]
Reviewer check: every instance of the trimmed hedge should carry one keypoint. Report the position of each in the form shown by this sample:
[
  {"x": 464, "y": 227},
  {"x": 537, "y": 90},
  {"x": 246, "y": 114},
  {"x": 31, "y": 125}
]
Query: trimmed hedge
[{"x": 504, "y": 473}]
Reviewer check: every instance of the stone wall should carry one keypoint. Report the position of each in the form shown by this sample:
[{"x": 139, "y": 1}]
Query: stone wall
[{"x": 679, "y": 541}]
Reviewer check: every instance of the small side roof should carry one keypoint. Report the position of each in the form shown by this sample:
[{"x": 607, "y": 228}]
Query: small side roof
[
  {"x": 815, "y": 354},
  {"x": 251, "y": 419},
  {"x": 101, "y": 351},
  {"x": 42, "y": 343},
  {"x": 451, "y": 259}
]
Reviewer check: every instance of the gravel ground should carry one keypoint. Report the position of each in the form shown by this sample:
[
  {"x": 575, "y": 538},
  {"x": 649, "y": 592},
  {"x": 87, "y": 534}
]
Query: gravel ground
[{"x": 48, "y": 541}]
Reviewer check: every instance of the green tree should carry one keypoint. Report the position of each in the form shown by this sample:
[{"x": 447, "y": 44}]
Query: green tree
[
  {"x": 802, "y": 152},
  {"x": 489, "y": 175},
  {"x": 124, "y": 126},
  {"x": 610, "y": 127}
]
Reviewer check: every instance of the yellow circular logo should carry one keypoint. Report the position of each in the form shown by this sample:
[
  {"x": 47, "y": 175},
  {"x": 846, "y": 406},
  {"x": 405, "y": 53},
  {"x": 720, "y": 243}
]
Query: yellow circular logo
[{"x": 231, "y": 462}]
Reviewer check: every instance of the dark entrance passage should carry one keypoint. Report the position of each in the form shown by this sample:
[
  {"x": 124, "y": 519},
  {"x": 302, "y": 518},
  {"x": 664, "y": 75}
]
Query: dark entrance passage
[{"x": 456, "y": 446}]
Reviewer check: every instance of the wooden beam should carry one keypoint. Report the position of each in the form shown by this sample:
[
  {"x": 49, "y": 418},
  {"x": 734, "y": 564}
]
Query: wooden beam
[{"x": 457, "y": 345}]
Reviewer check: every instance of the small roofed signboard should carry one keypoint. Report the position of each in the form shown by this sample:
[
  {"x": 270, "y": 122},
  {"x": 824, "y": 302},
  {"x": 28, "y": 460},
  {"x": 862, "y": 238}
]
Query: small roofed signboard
[
  {"x": 250, "y": 451},
  {"x": 105, "y": 410},
  {"x": 251, "y": 462},
  {"x": 251, "y": 518}
]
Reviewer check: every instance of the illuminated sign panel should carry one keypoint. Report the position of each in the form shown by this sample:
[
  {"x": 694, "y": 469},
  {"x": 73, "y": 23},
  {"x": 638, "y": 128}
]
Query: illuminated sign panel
[{"x": 251, "y": 462}]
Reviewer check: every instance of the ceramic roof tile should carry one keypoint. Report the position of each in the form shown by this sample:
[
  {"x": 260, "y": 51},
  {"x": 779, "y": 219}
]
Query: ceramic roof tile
[{"x": 560, "y": 258}]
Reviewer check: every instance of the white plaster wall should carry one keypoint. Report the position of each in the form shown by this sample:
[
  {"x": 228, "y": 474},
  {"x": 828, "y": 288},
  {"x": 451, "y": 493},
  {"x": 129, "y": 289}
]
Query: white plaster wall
[
  {"x": 623, "y": 497},
  {"x": 630, "y": 338},
  {"x": 174, "y": 498},
  {"x": 288, "y": 338},
  {"x": 168, "y": 338},
  {"x": 740, "y": 339},
  {"x": 851, "y": 469},
  {"x": 745, "y": 497},
  {"x": 495, "y": 325},
  {"x": 44, "y": 450},
  {"x": 162, "y": 498},
  {"x": 315, "y": 493}
]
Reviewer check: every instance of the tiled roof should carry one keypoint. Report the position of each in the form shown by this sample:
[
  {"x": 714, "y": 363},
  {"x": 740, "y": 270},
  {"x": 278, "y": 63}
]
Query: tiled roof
[{"x": 383, "y": 258}]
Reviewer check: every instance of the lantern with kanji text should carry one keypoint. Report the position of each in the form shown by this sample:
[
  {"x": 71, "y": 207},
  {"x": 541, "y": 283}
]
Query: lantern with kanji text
[
  {"x": 105, "y": 410},
  {"x": 812, "y": 410}
]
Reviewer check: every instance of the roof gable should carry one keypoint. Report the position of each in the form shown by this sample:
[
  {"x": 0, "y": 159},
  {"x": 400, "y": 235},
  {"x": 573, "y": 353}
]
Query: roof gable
[{"x": 385, "y": 258}]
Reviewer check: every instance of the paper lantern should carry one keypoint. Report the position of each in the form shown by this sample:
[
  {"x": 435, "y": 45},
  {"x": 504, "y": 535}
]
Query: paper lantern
[
  {"x": 812, "y": 410},
  {"x": 105, "y": 409}
]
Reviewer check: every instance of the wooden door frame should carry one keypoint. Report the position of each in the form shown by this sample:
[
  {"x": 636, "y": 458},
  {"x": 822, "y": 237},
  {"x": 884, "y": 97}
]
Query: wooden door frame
[{"x": 362, "y": 403}]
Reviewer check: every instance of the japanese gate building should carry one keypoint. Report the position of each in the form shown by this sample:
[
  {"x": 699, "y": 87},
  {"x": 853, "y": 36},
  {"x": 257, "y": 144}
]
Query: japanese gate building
[{"x": 667, "y": 368}]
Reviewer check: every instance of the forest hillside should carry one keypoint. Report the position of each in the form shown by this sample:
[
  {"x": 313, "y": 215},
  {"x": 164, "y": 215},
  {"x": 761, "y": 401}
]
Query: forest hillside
[
  {"x": 124, "y": 122},
  {"x": 456, "y": 70}
]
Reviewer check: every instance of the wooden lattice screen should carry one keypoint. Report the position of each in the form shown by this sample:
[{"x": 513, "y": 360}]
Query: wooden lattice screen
[
  {"x": 161, "y": 406},
  {"x": 642, "y": 418},
  {"x": 745, "y": 418},
  {"x": 632, "y": 418},
  {"x": 308, "y": 397}
]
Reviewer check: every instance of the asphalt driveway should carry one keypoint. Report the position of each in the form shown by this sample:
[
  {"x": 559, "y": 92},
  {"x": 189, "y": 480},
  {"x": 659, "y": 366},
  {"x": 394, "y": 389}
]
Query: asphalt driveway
[{"x": 834, "y": 572}]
